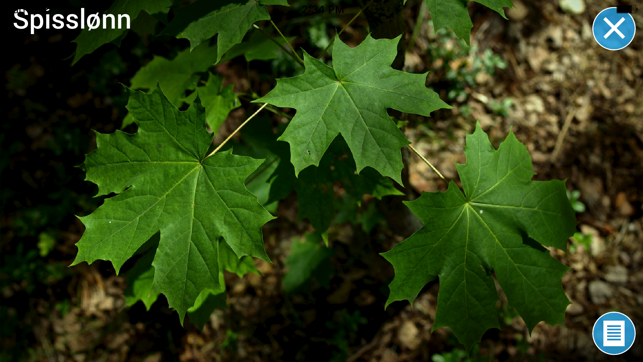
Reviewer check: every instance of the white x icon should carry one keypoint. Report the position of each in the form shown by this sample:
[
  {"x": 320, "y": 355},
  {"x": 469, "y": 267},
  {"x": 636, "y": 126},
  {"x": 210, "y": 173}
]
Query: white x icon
[{"x": 614, "y": 28}]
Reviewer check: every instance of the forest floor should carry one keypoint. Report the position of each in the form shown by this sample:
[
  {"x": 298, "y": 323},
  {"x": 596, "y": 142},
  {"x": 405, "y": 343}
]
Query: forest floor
[{"x": 577, "y": 107}]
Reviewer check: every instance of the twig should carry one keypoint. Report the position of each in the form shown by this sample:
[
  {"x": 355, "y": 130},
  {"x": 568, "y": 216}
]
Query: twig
[
  {"x": 235, "y": 131},
  {"x": 365, "y": 349},
  {"x": 481, "y": 30},
  {"x": 418, "y": 26},
  {"x": 287, "y": 42},
  {"x": 621, "y": 233},
  {"x": 294, "y": 56},
  {"x": 512, "y": 58},
  {"x": 428, "y": 163},
  {"x": 562, "y": 134},
  {"x": 344, "y": 28}
]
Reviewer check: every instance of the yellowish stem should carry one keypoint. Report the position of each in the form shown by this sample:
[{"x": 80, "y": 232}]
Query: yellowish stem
[
  {"x": 236, "y": 130},
  {"x": 293, "y": 55},
  {"x": 428, "y": 163},
  {"x": 344, "y": 28},
  {"x": 287, "y": 42}
]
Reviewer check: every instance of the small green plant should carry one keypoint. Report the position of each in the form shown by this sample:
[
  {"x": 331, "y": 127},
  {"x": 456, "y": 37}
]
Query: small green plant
[
  {"x": 46, "y": 243},
  {"x": 583, "y": 240},
  {"x": 466, "y": 111},
  {"x": 461, "y": 64},
  {"x": 501, "y": 108},
  {"x": 308, "y": 259},
  {"x": 230, "y": 340},
  {"x": 573, "y": 199},
  {"x": 63, "y": 307}
]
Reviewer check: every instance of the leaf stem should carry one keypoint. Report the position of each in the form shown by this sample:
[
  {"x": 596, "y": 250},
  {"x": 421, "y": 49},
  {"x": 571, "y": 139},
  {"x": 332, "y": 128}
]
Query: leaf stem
[
  {"x": 344, "y": 28},
  {"x": 235, "y": 131},
  {"x": 295, "y": 56},
  {"x": 428, "y": 163},
  {"x": 269, "y": 108},
  {"x": 301, "y": 62},
  {"x": 418, "y": 26}
]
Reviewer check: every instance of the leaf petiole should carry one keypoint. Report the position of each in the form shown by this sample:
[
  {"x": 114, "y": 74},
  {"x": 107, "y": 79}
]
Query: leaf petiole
[
  {"x": 301, "y": 62},
  {"x": 418, "y": 26},
  {"x": 344, "y": 28},
  {"x": 428, "y": 163},
  {"x": 269, "y": 108},
  {"x": 235, "y": 131},
  {"x": 293, "y": 54}
]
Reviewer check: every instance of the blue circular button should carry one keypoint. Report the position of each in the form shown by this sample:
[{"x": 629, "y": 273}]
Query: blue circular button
[
  {"x": 614, "y": 333},
  {"x": 612, "y": 30}
]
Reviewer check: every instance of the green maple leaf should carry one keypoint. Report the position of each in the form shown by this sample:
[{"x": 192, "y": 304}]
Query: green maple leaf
[
  {"x": 256, "y": 47},
  {"x": 204, "y": 305},
  {"x": 230, "y": 19},
  {"x": 498, "y": 224},
  {"x": 175, "y": 76},
  {"x": 218, "y": 101},
  {"x": 453, "y": 14},
  {"x": 370, "y": 218},
  {"x": 145, "y": 23},
  {"x": 308, "y": 259},
  {"x": 316, "y": 185},
  {"x": 90, "y": 40},
  {"x": 164, "y": 184},
  {"x": 231, "y": 262},
  {"x": 141, "y": 276},
  {"x": 280, "y": 174},
  {"x": 351, "y": 99}
]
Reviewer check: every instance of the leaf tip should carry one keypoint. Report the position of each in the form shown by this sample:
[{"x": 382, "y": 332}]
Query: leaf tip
[
  {"x": 79, "y": 259},
  {"x": 390, "y": 300},
  {"x": 83, "y": 167},
  {"x": 387, "y": 304},
  {"x": 181, "y": 317},
  {"x": 264, "y": 256},
  {"x": 478, "y": 126},
  {"x": 511, "y": 131},
  {"x": 75, "y": 262},
  {"x": 117, "y": 267},
  {"x": 306, "y": 55},
  {"x": 397, "y": 178}
]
